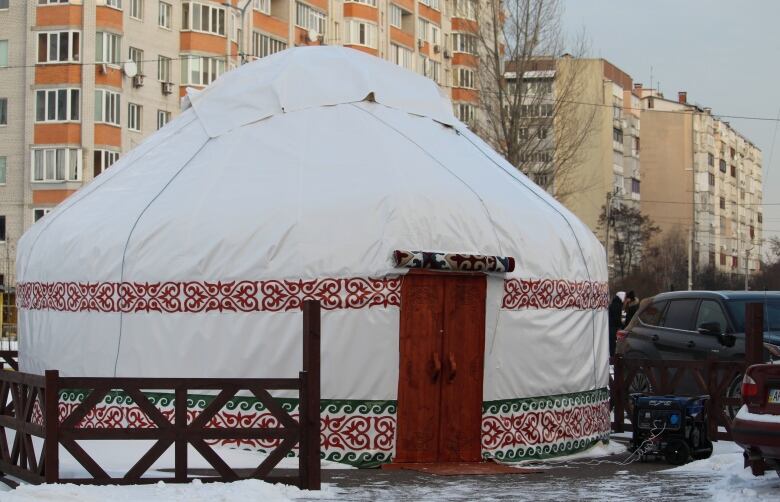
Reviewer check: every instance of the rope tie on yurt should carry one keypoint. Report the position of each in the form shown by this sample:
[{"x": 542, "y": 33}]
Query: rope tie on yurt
[{"x": 568, "y": 223}]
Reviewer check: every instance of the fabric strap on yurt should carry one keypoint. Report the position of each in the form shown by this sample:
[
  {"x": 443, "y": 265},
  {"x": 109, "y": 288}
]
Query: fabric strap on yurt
[{"x": 452, "y": 261}]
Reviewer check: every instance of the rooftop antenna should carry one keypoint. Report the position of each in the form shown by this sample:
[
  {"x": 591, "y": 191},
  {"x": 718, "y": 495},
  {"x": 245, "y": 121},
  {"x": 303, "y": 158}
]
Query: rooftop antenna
[{"x": 651, "y": 78}]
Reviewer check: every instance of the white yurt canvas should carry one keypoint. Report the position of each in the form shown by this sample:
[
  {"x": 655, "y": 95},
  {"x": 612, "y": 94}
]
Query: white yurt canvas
[{"x": 464, "y": 309}]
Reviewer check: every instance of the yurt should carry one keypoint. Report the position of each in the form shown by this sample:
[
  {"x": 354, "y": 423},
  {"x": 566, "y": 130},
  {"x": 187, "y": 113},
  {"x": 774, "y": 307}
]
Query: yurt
[{"x": 464, "y": 309}]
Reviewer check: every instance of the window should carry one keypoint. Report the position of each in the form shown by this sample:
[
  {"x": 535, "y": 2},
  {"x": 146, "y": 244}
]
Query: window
[
  {"x": 58, "y": 46},
  {"x": 2, "y": 228},
  {"x": 367, "y": 2},
  {"x": 546, "y": 110},
  {"x": 465, "y": 113},
  {"x": 651, "y": 315},
  {"x": 3, "y": 169},
  {"x": 117, "y": 4},
  {"x": 396, "y": 15},
  {"x": 435, "y": 70},
  {"x": 523, "y": 133},
  {"x": 733, "y": 171},
  {"x": 40, "y": 212},
  {"x": 199, "y": 70},
  {"x": 423, "y": 30},
  {"x": 723, "y": 203},
  {"x": 361, "y": 33},
  {"x": 3, "y": 111},
  {"x": 464, "y": 9},
  {"x": 107, "y": 48},
  {"x": 402, "y": 56},
  {"x": 164, "y": 15},
  {"x": 541, "y": 132},
  {"x": 711, "y": 179},
  {"x": 134, "y": 117},
  {"x": 203, "y": 18},
  {"x": 57, "y": 105},
  {"x": 103, "y": 160},
  {"x": 56, "y": 164},
  {"x": 263, "y": 45},
  {"x": 137, "y": 9},
  {"x": 617, "y": 135},
  {"x": 771, "y": 314},
  {"x": 163, "y": 118},
  {"x": 722, "y": 166},
  {"x": 137, "y": 56},
  {"x": 464, "y": 77},
  {"x": 40, "y": 2},
  {"x": 463, "y": 42},
  {"x": 3, "y": 53},
  {"x": 433, "y": 4},
  {"x": 733, "y": 152},
  {"x": 734, "y": 262},
  {"x": 310, "y": 19},
  {"x": 679, "y": 315},
  {"x": 163, "y": 69},
  {"x": 263, "y": 6},
  {"x": 435, "y": 35},
  {"x": 710, "y": 160},
  {"x": 3, "y": 4},
  {"x": 711, "y": 312},
  {"x": 107, "y": 107},
  {"x": 760, "y": 217},
  {"x": 635, "y": 185}
]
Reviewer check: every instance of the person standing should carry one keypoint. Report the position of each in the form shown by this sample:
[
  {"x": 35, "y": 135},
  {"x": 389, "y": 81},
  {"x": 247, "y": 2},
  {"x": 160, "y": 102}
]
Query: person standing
[
  {"x": 630, "y": 306},
  {"x": 615, "y": 321}
]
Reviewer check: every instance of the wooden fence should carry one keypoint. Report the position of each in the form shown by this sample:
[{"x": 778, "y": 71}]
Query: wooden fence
[{"x": 30, "y": 407}]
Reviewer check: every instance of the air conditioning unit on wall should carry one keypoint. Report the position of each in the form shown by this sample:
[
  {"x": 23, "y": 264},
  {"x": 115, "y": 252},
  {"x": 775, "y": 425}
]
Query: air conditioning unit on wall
[
  {"x": 436, "y": 49},
  {"x": 167, "y": 87},
  {"x": 138, "y": 81}
]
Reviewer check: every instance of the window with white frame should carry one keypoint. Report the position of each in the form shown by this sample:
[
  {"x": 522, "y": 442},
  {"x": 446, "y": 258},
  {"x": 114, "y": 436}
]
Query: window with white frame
[
  {"x": 51, "y": 165},
  {"x": 3, "y": 53},
  {"x": 163, "y": 69},
  {"x": 3, "y": 111},
  {"x": 3, "y": 169},
  {"x": 464, "y": 77},
  {"x": 203, "y": 18},
  {"x": 423, "y": 29},
  {"x": 434, "y": 71},
  {"x": 164, "y": 15},
  {"x": 107, "y": 107},
  {"x": 361, "y": 33},
  {"x": 263, "y": 45},
  {"x": 422, "y": 65},
  {"x": 200, "y": 70},
  {"x": 367, "y": 2},
  {"x": 396, "y": 15},
  {"x": 117, "y": 4},
  {"x": 163, "y": 118},
  {"x": 134, "y": 116},
  {"x": 137, "y": 56},
  {"x": 108, "y": 48},
  {"x": 433, "y": 4},
  {"x": 402, "y": 56},
  {"x": 465, "y": 112},
  {"x": 435, "y": 34},
  {"x": 40, "y": 212},
  {"x": 43, "y": 2},
  {"x": 59, "y": 46},
  {"x": 263, "y": 6},
  {"x": 309, "y": 18},
  {"x": 102, "y": 160},
  {"x": 464, "y": 42},
  {"x": 57, "y": 105},
  {"x": 465, "y": 9},
  {"x": 137, "y": 9}
]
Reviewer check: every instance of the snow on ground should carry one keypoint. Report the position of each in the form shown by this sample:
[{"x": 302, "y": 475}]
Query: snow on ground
[
  {"x": 596, "y": 451},
  {"x": 729, "y": 479},
  {"x": 239, "y": 491}
]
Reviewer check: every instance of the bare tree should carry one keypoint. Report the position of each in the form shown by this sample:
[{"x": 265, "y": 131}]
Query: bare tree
[
  {"x": 531, "y": 94},
  {"x": 631, "y": 230}
]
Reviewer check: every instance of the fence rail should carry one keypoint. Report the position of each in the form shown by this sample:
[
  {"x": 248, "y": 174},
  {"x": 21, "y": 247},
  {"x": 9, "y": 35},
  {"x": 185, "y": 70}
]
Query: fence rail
[{"x": 30, "y": 407}]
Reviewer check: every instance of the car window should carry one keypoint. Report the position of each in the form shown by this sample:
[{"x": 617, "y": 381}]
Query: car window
[
  {"x": 651, "y": 315},
  {"x": 679, "y": 315},
  {"x": 771, "y": 314},
  {"x": 710, "y": 311}
]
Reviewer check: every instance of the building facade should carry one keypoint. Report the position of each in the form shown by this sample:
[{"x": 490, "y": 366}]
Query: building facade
[
  {"x": 83, "y": 81},
  {"x": 704, "y": 179}
]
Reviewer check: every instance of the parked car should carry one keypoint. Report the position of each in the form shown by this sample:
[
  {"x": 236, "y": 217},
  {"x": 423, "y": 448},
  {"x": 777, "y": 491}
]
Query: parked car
[
  {"x": 756, "y": 428},
  {"x": 693, "y": 325}
]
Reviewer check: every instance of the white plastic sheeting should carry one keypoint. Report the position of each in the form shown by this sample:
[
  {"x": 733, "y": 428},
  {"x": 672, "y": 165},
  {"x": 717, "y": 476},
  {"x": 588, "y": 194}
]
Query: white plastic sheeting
[{"x": 281, "y": 172}]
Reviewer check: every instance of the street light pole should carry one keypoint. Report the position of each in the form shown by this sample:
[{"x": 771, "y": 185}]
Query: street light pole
[{"x": 242, "y": 10}]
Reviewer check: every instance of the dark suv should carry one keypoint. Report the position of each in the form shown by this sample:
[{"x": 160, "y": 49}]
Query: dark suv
[{"x": 694, "y": 324}]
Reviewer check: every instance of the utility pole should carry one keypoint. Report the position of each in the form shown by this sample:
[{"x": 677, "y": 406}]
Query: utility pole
[{"x": 608, "y": 210}]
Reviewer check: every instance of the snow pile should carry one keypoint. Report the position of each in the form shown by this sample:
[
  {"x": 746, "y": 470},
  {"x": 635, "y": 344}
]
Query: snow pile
[
  {"x": 196, "y": 491},
  {"x": 731, "y": 480}
]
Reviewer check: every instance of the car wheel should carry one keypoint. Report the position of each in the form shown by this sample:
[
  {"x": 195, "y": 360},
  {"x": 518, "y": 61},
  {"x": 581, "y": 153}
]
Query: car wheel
[{"x": 734, "y": 390}]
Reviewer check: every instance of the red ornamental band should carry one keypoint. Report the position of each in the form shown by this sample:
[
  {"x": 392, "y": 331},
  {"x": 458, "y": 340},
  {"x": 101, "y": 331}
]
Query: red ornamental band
[{"x": 282, "y": 295}]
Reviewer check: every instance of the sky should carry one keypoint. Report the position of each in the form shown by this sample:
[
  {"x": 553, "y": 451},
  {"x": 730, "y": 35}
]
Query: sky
[{"x": 724, "y": 53}]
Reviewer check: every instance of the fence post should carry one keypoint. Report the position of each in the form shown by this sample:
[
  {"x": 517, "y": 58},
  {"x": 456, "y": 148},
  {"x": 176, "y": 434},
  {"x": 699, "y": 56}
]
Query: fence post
[
  {"x": 309, "y": 410},
  {"x": 180, "y": 425},
  {"x": 617, "y": 393},
  {"x": 51, "y": 424},
  {"x": 713, "y": 403},
  {"x": 754, "y": 333}
]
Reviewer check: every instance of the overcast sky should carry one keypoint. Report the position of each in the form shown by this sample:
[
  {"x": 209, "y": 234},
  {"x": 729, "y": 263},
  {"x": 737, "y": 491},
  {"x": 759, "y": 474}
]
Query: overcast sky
[{"x": 725, "y": 53}]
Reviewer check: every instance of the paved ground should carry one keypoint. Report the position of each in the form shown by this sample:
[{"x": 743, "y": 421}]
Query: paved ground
[{"x": 579, "y": 480}]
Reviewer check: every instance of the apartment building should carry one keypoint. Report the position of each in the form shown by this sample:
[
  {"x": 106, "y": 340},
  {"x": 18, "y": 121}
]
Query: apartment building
[
  {"x": 83, "y": 81},
  {"x": 704, "y": 178},
  {"x": 582, "y": 120}
]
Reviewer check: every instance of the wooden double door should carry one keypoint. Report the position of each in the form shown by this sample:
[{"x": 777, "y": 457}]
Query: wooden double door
[{"x": 442, "y": 347}]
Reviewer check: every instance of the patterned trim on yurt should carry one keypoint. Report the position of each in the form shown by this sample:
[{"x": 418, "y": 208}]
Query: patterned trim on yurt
[
  {"x": 554, "y": 294},
  {"x": 362, "y": 433},
  {"x": 452, "y": 261},
  {"x": 282, "y": 296},
  {"x": 542, "y": 427}
]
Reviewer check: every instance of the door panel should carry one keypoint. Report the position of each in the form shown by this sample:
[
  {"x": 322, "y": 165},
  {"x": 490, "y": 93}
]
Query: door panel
[
  {"x": 463, "y": 355},
  {"x": 422, "y": 298}
]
